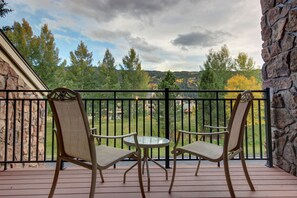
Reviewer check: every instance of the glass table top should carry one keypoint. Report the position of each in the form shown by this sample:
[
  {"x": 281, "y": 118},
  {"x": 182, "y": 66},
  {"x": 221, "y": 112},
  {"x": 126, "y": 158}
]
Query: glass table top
[{"x": 147, "y": 141}]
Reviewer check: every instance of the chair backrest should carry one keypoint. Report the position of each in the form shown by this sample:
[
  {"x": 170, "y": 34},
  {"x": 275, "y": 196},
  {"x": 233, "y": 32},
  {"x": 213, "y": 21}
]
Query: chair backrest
[
  {"x": 72, "y": 125},
  {"x": 238, "y": 119}
]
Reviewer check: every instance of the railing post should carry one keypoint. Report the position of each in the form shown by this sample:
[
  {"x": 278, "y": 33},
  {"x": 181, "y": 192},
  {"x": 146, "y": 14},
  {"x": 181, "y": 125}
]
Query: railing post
[
  {"x": 269, "y": 162},
  {"x": 167, "y": 135}
]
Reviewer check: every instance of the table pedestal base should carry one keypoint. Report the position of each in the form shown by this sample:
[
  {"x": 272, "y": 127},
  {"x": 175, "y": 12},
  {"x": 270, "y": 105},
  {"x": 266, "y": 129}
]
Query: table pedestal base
[{"x": 145, "y": 160}]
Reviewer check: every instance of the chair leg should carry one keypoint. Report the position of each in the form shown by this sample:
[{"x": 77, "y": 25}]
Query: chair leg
[
  {"x": 198, "y": 166},
  {"x": 227, "y": 175},
  {"x": 246, "y": 173},
  {"x": 173, "y": 172},
  {"x": 55, "y": 180},
  {"x": 140, "y": 176},
  {"x": 101, "y": 175},
  {"x": 93, "y": 182}
]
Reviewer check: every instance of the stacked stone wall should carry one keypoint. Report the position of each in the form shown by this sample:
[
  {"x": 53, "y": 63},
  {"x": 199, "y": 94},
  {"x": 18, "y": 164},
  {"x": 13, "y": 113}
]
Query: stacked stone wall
[
  {"x": 279, "y": 32},
  {"x": 22, "y": 119}
]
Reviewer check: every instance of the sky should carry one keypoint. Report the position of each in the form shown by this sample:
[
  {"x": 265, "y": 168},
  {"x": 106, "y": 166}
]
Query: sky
[{"x": 173, "y": 35}]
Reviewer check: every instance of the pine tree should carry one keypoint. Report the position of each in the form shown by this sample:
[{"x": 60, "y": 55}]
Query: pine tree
[
  {"x": 21, "y": 35},
  {"x": 81, "y": 69},
  {"x": 221, "y": 64},
  {"x": 3, "y": 10},
  {"x": 132, "y": 76},
  {"x": 108, "y": 75},
  {"x": 47, "y": 64}
]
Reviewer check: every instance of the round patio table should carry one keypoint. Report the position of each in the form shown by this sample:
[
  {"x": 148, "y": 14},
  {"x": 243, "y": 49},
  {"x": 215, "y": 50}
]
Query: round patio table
[{"x": 147, "y": 142}]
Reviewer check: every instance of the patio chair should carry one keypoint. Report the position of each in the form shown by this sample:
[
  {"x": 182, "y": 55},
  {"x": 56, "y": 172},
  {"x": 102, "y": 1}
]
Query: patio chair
[
  {"x": 76, "y": 142},
  {"x": 233, "y": 140}
]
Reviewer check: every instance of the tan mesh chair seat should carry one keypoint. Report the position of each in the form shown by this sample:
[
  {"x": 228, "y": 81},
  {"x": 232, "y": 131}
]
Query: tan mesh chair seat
[
  {"x": 205, "y": 150},
  {"x": 107, "y": 156},
  {"x": 233, "y": 140},
  {"x": 76, "y": 142}
]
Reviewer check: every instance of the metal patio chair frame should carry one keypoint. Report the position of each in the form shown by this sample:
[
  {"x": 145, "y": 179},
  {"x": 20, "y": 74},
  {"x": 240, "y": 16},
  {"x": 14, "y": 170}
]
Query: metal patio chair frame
[
  {"x": 233, "y": 141},
  {"x": 76, "y": 140}
]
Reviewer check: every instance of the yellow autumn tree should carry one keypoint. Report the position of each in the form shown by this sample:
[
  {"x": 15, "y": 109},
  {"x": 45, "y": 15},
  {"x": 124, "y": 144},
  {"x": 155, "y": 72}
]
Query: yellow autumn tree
[{"x": 240, "y": 82}]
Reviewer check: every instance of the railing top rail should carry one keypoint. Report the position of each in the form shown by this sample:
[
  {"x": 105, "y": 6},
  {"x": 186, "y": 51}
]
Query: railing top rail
[{"x": 157, "y": 90}]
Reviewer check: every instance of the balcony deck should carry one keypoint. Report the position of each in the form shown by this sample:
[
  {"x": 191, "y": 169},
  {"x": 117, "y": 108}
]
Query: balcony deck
[{"x": 74, "y": 182}]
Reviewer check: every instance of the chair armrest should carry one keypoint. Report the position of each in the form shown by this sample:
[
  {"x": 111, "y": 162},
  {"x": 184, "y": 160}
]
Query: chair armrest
[
  {"x": 93, "y": 131},
  {"x": 214, "y": 127},
  {"x": 112, "y": 137},
  {"x": 203, "y": 133},
  {"x": 99, "y": 137},
  {"x": 197, "y": 133}
]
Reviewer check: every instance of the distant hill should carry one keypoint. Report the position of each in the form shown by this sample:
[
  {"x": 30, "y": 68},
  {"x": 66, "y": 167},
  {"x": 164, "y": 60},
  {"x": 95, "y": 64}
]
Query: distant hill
[
  {"x": 184, "y": 79},
  {"x": 188, "y": 80}
]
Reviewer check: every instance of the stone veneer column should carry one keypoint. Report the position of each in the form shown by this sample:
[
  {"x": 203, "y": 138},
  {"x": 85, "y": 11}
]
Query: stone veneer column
[
  {"x": 279, "y": 31},
  {"x": 18, "y": 126}
]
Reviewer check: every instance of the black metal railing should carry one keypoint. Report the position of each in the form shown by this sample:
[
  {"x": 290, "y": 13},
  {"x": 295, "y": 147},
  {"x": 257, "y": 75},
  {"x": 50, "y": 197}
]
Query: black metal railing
[{"x": 26, "y": 122}]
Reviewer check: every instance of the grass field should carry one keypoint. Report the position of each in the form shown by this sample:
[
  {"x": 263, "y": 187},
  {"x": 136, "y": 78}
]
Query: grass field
[{"x": 254, "y": 137}]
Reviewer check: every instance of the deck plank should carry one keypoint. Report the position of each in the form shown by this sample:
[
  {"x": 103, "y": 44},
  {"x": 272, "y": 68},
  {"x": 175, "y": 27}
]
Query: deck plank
[{"x": 74, "y": 182}]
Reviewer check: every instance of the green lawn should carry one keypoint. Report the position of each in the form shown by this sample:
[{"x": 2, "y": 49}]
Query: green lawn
[{"x": 120, "y": 127}]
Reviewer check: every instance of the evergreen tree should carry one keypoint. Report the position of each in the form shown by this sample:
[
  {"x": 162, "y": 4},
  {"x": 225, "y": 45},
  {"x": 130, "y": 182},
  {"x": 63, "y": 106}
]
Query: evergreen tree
[
  {"x": 207, "y": 80},
  {"x": 3, "y": 10},
  {"x": 108, "y": 75},
  {"x": 21, "y": 35},
  {"x": 221, "y": 64},
  {"x": 169, "y": 81},
  {"x": 81, "y": 70},
  {"x": 132, "y": 76},
  {"x": 47, "y": 64}
]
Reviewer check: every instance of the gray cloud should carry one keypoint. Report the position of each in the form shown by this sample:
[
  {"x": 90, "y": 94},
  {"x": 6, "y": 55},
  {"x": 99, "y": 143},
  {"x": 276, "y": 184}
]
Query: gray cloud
[
  {"x": 106, "y": 35},
  {"x": 141, "y": 44},
  {"x": 105, "y": 11},
  {"x": 151, "y": 58},
  {"x": 202, "y": 39}
]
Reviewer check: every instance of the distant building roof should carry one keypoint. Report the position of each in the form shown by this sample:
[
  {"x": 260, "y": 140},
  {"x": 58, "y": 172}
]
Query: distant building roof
[{"x": 11, "y": 55}]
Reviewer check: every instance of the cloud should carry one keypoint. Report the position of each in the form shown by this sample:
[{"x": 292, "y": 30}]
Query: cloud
[
  {"x": 203, "y": 39},
  {"x": 106, "y": 10},
  {"x": 106, "y": 35},
  {"x": 165, "y": 33},
  {"x": 141, "y": 44}
]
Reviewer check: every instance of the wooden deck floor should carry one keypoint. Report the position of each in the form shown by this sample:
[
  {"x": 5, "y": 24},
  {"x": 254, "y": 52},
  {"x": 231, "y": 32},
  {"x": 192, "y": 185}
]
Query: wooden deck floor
[{"x": 75, "y": 182}]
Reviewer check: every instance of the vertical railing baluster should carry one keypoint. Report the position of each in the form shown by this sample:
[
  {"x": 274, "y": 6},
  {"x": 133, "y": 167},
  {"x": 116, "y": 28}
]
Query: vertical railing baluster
[
  {"x": 6, "y": 131},
  {"x": 143, "y": 116},
  {"x": 167, "y": 165},
  {"x": 122, "y": 120},
  {"x": 93, "y": 113},
  {"x": 37, "y": 130},
  {"x": 151, "y": 116},
  {"x": 45, "y": 130},
  {"x": 260, "y": 129},
  {"x": 30, "y": 129},
  {"x": 114, "y": 118},
  {"x": 107, "y": 120},
  {"x": 253, "y": 131},
  {"x": 136, "y": 113},
  {"x": 100, "y": 117},
  {"x": 210, "y": 117},
  {"x": 14, "y": 130},
  {"x": 53, "y": 139},
  {"x": 22, "y": 129},
  {"x": 217, "y": 116}
]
